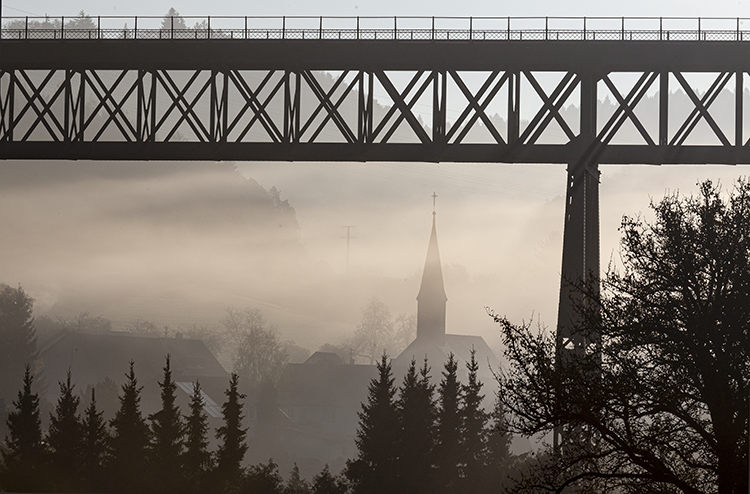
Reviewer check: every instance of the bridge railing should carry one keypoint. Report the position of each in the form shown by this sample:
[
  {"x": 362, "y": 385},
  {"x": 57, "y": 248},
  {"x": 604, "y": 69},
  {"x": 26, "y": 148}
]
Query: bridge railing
[{"x": 377, "y": 28}]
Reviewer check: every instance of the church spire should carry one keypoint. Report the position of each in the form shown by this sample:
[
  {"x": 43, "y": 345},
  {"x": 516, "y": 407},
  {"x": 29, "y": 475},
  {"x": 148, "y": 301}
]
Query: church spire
[{"x": 431, "y": 298}]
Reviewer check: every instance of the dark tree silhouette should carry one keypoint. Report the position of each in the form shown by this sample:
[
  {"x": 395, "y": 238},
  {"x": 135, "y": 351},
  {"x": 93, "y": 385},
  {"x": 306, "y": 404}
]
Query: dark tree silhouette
[
  {"x": 167, "y": 437},
  {"x": 172, "y": 19},
  {"x": 65, "y": 440},
  {"x": 326, "y": 483},
  {"x": 197, "y": 458},
  {"x": 474, "y": 429},
  {"x": 296, "y": 484},
  {"x": 130, "y": 439},
  {"x": 663, "y": 389},
  {"x": 448, "y": 431},
  {"x": 416, "y": 416},
  {"x": 263, "y": 479},
  {"x": 17, "y": 338},
  {"x": 94, "y": 442},
  {"x": 373, "y": 471},
  {"x": 232, "y": 436},
  {"x": 498, "y": 459},
  {"x": 22, "y": 468}
]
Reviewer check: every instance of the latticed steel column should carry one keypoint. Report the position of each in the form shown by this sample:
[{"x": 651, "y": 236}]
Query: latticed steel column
[{"x": 580, "y": 259}]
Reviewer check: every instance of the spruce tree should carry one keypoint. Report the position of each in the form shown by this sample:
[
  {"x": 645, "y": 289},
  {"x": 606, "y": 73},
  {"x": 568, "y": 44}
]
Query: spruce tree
[
  {"x": 18, "y": 341},
  {"x": 326, "y": 483},
  {"x": 296, "y": 484},
  {"x": 474, "y": 428},
  {"x": 95, "y": 442},
  {"x": 22, "y": 468},
  {"x": 232, "y": 436},
  {"x": 167, "y": 437},
  {"x": 130, "y": 439},
  {"x": 196, "y": 459},
  {"x": 64, "y": 440},
  {"x": 448, "y": 431},
  {"x": 373, "y": 471},
  {"x": 499, "y": 460},
  {"x": 416, "y": 415},
  {"x": 263, "y": 479}
]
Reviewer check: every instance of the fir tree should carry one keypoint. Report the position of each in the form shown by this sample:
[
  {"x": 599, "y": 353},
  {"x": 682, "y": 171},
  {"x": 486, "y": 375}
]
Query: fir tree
[
  {"x": 64, "y": 439},
  {"x": 264, "y": 479},
  {"x": 296, "y": 484},
  {"x": 448, "y": 433},
  {"x": 167, "y": 437},
  {"x": 22, "y": 468},
  {"x": 17, "y": 338},
  {"x": 474, "y": 429},
  {"x": 130, "y": 439},
  {"x": 196, "y": 460},
  {"x": 373, "y": 471},
  {"x": 416, "y": 415},
  {"x": 499, "y": 459},
  {"x": 95, "y": 441},
  {"x": 232, "y": 436},
  {"x": 326, "y": 483}
]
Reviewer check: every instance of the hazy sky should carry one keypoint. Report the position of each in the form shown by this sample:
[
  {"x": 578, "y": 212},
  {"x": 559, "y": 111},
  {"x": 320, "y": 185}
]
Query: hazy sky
[
  {"x": 729, "y": 8},
  {"x": 499, "y": 226}
]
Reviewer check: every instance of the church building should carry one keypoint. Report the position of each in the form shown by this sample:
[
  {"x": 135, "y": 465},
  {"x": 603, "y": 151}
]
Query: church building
[{"x": 318, "y": 400}]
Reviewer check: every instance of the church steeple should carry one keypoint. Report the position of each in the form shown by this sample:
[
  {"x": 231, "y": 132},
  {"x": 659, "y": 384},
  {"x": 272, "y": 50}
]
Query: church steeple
[{"x": 431, "y": 298}]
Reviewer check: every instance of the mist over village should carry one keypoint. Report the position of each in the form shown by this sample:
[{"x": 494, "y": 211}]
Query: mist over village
[{"x": 293, "y": 252}]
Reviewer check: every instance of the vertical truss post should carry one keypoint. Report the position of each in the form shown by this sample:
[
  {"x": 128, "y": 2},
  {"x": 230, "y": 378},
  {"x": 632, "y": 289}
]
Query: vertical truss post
[
  {"x": 580, "y": 260},
  {"x": 364, "y": 108},
  {"x": 292, "y": 89},
  {"x": 224, "y": 106},
  {"x": 739, "y": 87},
  {"x": 514, "y": 113},
  {"x": 6, "y": 107},
  {"x": 213, "y": 110},
  {"x": 663, "y": 108},
  {"x": 439, "y": 124},
  {"x": 151, "y": 108},
  {"x": 68, "y": 98}
]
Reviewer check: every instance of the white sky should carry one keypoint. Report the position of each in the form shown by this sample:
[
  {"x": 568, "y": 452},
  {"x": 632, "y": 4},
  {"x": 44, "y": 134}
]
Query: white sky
[{"x": 720, "y": 8}]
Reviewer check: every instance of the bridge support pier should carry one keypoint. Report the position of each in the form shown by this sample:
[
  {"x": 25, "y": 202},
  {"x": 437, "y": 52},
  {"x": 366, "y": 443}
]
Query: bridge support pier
[{"x": 580, "y": 256}]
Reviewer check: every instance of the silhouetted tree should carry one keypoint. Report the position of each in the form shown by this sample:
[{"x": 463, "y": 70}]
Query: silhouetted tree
[
  {"x": 232, "y": 436},
  {"x": 130, "y": 439},
  {"x": 326, "y": 483},
  {"x": 259, "y": 352},
  {"x": 663, "y": 385},
  {"x": 65, "y": 440},
  {"x": 448, "y": 450},
  {"x": 173, "y": 19},
  {"x": 498, "y": 460},
  {"x": 81, "y": 21},
  {"x": 263, "y": 479},
  {"x": 17, "y": 338},
  {"x": 374, "y": 332},
  {"x": 94, "y": 445},
  {"x": 373, "y": 471},
  {"x": 296, "y": 484},
  {"x": 416, "y": 416},
  {"x": 197, "y": 458},
  {"x": 167, "y": 437},
  {"x": 474, "y": 429},
  {"x": 22, "y": 468}
]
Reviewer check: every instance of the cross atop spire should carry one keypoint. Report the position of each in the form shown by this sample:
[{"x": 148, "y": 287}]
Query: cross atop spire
[{"x": 434, "y": 196}]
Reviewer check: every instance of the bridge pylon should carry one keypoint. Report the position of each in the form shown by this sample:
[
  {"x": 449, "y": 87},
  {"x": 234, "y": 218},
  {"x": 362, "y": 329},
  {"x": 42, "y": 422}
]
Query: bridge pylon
[{"x": 580, "y": 257}]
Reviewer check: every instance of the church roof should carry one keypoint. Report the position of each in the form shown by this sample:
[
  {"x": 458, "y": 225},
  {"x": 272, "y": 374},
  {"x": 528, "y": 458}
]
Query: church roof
[
  {"x": 458, "y": 344},
  {"x": 432, "y": 287}
]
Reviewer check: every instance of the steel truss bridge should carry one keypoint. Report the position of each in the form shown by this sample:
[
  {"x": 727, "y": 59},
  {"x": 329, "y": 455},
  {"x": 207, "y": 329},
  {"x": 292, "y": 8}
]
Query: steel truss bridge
[{"x": 380, "y": 89}]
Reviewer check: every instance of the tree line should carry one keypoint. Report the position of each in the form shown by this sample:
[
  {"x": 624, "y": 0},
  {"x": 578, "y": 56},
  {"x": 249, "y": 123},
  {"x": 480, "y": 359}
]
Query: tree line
[
  {"x": 429, "y": 439},
  {"x": 163, "y": 453}
]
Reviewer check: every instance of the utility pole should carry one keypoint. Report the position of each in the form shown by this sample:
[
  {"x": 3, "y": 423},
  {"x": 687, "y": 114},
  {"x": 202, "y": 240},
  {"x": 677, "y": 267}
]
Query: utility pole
[{"x": 348, "y": 242}]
